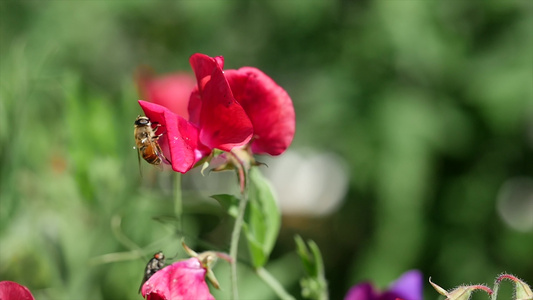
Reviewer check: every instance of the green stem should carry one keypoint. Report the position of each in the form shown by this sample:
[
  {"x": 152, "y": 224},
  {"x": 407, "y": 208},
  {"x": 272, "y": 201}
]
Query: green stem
[
  {"x": 235, "y": 243},
  {"x": 178, "y": 203},
  {"x": 495, "y": 291},
  {"x": 273, "y": 284}
]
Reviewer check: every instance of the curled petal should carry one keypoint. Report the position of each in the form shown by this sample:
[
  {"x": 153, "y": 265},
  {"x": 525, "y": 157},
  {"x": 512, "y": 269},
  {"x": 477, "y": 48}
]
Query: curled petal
[
  {"x": 171, "y": 91},
  {"x": 203, "y": 66},
  {"x": 181, "y": 280},
  {"x": 222, "y": 121},
  {"x": 179, "y": 141},
  {"x": 10, "y": 290},
  {"x": 268, "y": 106}
]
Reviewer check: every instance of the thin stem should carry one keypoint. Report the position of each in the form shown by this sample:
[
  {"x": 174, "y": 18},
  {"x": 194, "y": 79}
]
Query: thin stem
[
  {"x": 235, "y": 243},
  {"x": 116, "y": 222},
  {"x": 494, "y": 294},
  {"x": 242, "y": 174},
  {"x": 273, "y": 284},
  {"x": 178, "y": 203}
]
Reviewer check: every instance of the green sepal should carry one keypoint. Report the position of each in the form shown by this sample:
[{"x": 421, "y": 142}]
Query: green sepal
[{"x": 314, "y": 284}]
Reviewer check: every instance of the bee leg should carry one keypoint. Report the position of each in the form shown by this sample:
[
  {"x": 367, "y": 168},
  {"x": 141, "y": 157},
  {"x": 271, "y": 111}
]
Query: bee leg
[
  {"x": 139, "y": 160},
  {"x": 159, "y": 152},
  {"x": 156, "y": 137},
  {"x": 157, "y": 125}
]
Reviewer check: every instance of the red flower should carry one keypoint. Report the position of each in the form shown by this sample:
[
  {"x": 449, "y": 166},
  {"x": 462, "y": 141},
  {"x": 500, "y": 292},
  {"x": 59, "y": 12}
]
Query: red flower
[
  {"x": 10, "y": 290},
  {"x": 222, "y": 121},
  {"x": 182, "y": 280},
  {"x": 225, "y": 110},
  {"x": 268, "y": 106}
]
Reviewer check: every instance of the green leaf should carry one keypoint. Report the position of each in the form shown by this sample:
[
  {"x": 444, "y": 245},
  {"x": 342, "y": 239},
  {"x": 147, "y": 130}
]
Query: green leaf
[
  {"x": 263, "y": 218},
  {"x": 230, "y": 203}
]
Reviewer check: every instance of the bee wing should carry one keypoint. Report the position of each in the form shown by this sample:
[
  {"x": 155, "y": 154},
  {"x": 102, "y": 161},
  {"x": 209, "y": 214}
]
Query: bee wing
[
  {"x": 145, "y": 278},
  {"x": 147, "y": 274},
  {"x": 154, "y": 265},
  {"x": 139, "y": 161}
]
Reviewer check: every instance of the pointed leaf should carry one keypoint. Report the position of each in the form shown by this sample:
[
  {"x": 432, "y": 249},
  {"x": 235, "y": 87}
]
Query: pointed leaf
[
  {"x": 264, "y": 215},
  {"x": 230, "y": 203}
]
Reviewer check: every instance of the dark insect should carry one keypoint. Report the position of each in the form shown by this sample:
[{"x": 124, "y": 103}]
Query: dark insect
[{"x": 155, "y": 264}]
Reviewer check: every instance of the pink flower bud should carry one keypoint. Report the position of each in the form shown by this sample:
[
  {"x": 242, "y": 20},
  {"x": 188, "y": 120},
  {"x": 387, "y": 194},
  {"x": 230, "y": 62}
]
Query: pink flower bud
[
  {"x": 522, "y": 290},
  {"x": 462, "y": 292}
]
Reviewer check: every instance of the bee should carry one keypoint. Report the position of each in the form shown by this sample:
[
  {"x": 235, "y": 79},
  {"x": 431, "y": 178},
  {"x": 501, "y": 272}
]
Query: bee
[
  {"x": 155, "y": 264},
  {"x": 146, "y": 141}
]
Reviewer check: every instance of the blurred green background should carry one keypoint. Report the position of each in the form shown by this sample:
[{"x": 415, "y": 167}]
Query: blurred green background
[{"x": 429, "y": 104}]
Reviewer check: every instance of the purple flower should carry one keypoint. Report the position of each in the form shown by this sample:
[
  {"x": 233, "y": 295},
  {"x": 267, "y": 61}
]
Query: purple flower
[{"x": 407, "y": 287}]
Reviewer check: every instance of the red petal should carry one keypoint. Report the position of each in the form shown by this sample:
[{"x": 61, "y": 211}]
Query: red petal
[
  {"x": 268, "y": 106},
  {"x": 203, "y": 67},
  {"x": 10, "y": 290},
  {"x": 222, "y": 121},
  {"x": 195, "y": 106},
  {"x": 180, "y": 138},
  {"x": 181, "y": 280}
]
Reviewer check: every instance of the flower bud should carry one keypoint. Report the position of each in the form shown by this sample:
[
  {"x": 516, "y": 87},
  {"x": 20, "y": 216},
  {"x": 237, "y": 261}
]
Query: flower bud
[
  {"x": 462, "y": 292},
  {"x": 522, "y": 290}
]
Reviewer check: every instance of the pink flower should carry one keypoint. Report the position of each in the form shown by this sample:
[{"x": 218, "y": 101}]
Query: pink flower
[
  {"x": 171, "y": 91},
  {"x": 182, "y": 280},
  {"x": 225, "y": 110},
  {"x": 10, "y": 290},
  {"x": 407, "y": 287}
]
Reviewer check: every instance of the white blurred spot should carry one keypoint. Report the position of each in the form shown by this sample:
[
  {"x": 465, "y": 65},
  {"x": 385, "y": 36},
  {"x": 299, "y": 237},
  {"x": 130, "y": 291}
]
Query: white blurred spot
[
  {"x": 515, "y": 203},
  {"x": 307, "y": 183}
]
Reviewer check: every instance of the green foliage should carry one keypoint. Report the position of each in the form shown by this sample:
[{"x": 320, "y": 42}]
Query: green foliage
[
  {"x": 314, "y": 284},
  {"x": 261, "y": 220},
  {"x": 264, "y": 218}
]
